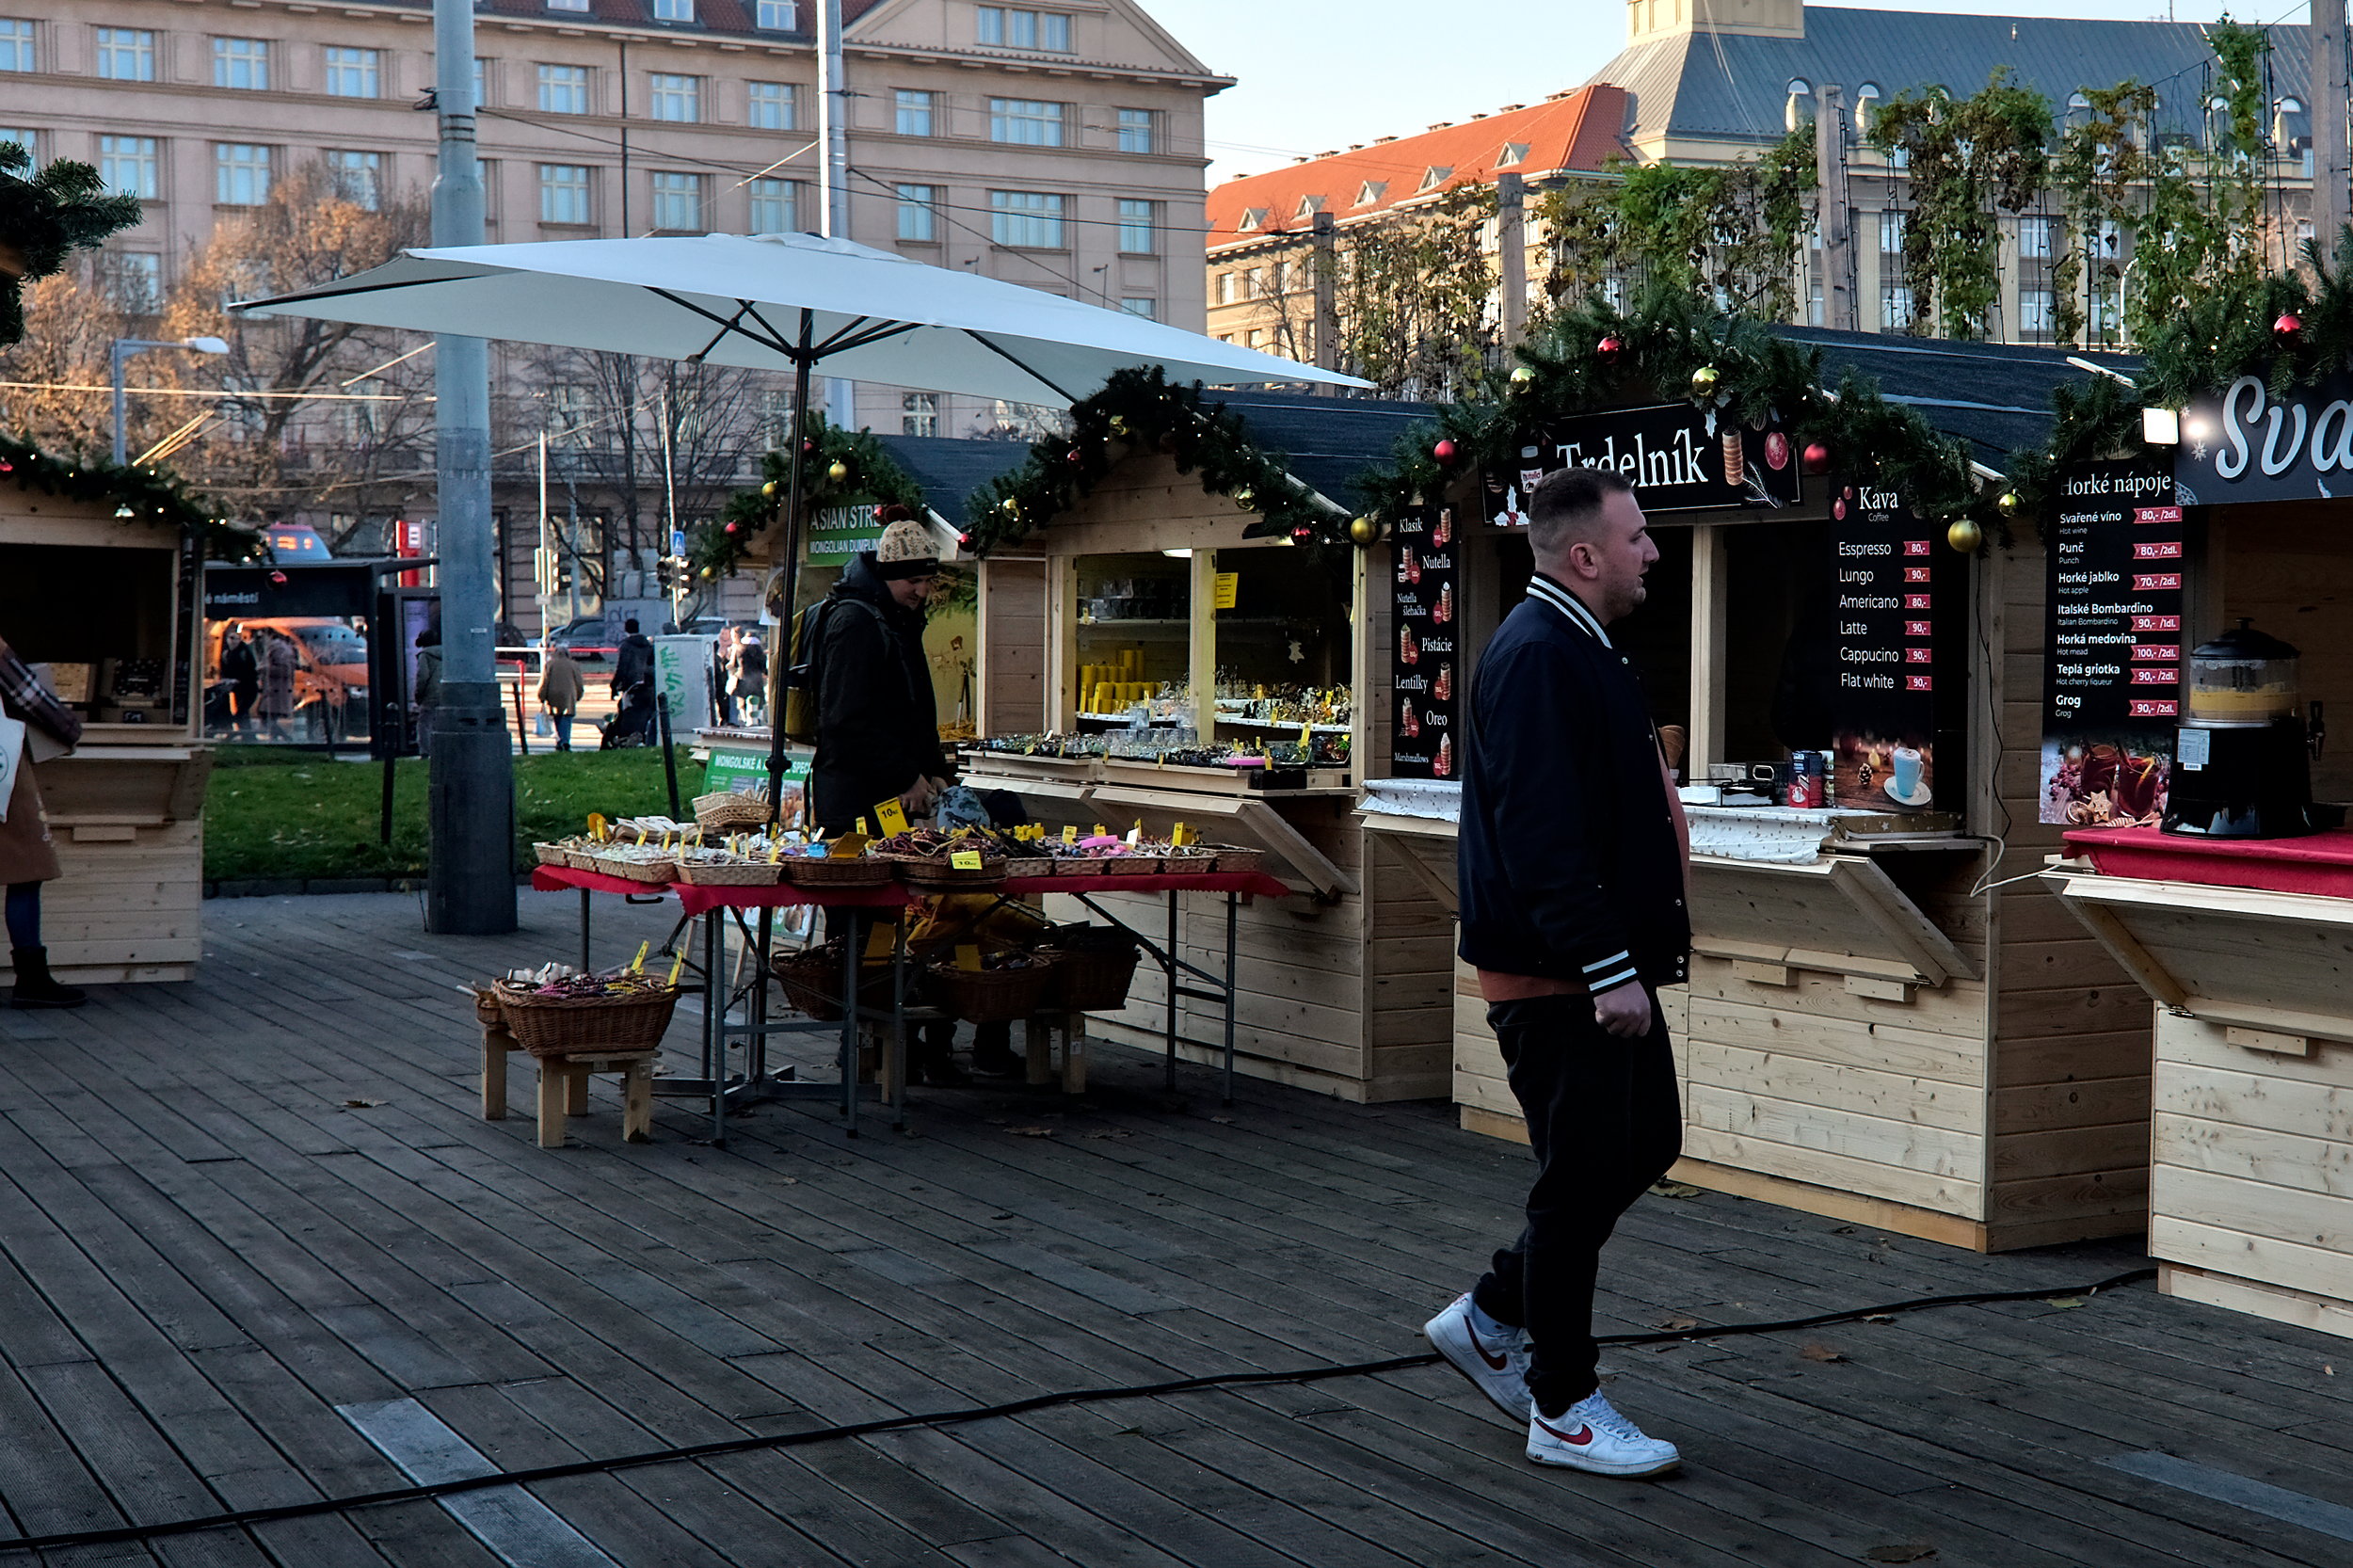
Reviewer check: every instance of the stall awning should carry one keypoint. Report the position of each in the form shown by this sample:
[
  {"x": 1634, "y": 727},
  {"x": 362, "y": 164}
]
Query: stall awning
[{"x": 1996, "y": 396}]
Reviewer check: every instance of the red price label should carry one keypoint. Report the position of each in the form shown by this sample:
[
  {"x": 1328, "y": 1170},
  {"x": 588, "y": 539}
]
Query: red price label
[
  {"x": 2158, "y": 550},
  {"x": 1919, "y": 656},
  {"x": 2156, "y": 514},
  {"x": 2156, "y": 623},
  {"x": 1919, "y": 629},
  {"x": 1919, "y": 602},
  {"x": 1915, "y": 547},
  {"x": 2155, "y": 581},
  {"x": 1919, "y": 682},
  {"x": 2156, "y": 677},
  {"x": 1917, "y": 574},
  {"x": 2153, "y": 653},
  {"x": 2153, "y": 708}
]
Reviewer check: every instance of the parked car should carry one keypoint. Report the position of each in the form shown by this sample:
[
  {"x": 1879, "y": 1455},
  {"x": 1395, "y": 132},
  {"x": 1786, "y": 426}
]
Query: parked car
[{"x": 589, "y": 639}]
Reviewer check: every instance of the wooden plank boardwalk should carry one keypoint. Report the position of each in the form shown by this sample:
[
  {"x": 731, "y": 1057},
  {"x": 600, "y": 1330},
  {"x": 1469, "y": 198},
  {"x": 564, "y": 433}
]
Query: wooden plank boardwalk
[{"x": 234, "y": 1213}]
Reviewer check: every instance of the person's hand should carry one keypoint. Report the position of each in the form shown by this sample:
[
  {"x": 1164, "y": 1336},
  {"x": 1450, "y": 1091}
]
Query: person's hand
[
  {"x": 917, "y": 800},
  {"x": 1625, "y": 1011}
]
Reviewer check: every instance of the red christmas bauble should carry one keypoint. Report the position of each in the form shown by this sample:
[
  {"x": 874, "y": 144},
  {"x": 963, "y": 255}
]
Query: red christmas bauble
[
  {"x": 1076, "y": 456},
  {"x": 2288, "y": 326},
  {"x": 1443, "y": 452},
  {"x": 1608, "y": 349},
  {"x": 1817, "y": 459},
  {"x": 731, "y": 527}
]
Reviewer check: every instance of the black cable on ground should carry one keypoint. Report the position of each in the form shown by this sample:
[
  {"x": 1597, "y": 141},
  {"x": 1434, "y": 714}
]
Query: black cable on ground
[{"x": 949, "y": 1417}]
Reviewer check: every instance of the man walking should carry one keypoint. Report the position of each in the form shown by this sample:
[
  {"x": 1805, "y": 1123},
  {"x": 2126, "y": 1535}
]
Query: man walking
[
  {"x": 561, "y": 687},
  {"x": 1573, "y": 861}
]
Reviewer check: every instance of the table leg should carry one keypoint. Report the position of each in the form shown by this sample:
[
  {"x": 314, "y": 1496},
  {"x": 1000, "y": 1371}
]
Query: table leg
[
  {"x": 576, "y": 1093},
  {"x": 1233, "y": 918},
  {"x": 853, "y": 950},
  {"x": 584, "y": 906},
  {"x": 1168, "y": 963},
  {"x": 756, "y": 1067},
  {"x": 1073, "y": 1053},
  {"x": 496, "y": 1043},
  {"x": 554, "y": 1083},
  {"x": 715, "y": 1030},
  {"x": 637, "y": 1103},
  {"x": 1037, "y": 1039}
]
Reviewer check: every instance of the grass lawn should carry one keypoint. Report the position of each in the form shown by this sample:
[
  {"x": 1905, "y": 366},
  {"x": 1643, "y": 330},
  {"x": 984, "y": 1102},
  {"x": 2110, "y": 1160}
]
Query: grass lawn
[{"x": 272, "y": 815}]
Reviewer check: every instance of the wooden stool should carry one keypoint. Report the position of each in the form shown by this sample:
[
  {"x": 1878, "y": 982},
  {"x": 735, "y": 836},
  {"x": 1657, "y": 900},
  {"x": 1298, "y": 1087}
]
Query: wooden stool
[
  {"x": 1038, "y": 1034},
  {"x": 563, "y": 1086}
]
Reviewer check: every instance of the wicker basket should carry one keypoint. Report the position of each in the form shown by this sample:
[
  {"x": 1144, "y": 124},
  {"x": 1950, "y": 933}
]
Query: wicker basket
[
  {"x": 552, "y": 854},
  {"x": 564, "y": 1025},
  {"x": 726, "y": 811},
  {"x": 1231, "y": 859},
  {"x": 730, "y": 874},
  {"x": 1079, "y": 865},
  {"x": 1030, "y": 865},
  {"x": 581, "y": 861},
  {"x": 660, "y": 874},
  {"x": 854, "y": 871},
  {"x": 991, "y": 996},
  {"x": 1134, "y": 865},
  {"x": 486, "y": 1007},
  {"x": 934, "y": 872},
  {"x": 1089, "y": 976},
  {"x": 1189, "y": 862},
  {"x": 811, "y": 981}
]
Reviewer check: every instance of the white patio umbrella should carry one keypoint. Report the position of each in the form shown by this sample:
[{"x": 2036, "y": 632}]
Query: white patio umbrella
[{"x": 782, "y": 302}]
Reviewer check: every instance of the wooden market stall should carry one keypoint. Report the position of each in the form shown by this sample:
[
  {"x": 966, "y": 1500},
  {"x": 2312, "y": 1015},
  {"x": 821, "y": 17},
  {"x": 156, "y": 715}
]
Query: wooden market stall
[
  {"x": 2242, "y": 947},
  {"x": 1867, "y": 1033},
  {"x": 109, "y": 606},
  {"x": 1153, "y": 593}
]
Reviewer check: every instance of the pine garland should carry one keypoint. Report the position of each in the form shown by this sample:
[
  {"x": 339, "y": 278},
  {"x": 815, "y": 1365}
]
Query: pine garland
[
  {"x": 870, "y": 476},
  {"x": 137, "y": 494},
  {"x": 1140, "y": 410}
]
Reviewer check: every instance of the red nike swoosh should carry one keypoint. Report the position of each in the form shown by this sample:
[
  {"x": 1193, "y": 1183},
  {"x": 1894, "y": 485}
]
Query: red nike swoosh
[
  {"x": 1495, "y": 1363},
  {"x": 1582, "y": 1436}
]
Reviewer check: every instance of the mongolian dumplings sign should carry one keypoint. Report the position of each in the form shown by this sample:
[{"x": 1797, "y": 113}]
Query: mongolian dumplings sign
[{"x": 2244, "y": 444}]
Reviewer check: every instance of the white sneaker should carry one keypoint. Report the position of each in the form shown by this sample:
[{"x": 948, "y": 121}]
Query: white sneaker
[
  {"x": 1498, "y": 1368},
  {"x": 1594, "y": 1436}
]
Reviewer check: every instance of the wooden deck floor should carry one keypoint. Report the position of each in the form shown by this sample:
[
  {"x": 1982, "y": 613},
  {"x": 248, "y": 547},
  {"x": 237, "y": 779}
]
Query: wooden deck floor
[{"x": 240, "y": 1216}]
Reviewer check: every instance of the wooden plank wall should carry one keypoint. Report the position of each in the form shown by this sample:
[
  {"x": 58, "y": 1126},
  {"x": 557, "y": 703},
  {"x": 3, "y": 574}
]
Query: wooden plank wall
[
  {"x": 127, "y": 908},
  {"x": 1012, "y": 650},
  {"x": 2069, "y": 1099}
]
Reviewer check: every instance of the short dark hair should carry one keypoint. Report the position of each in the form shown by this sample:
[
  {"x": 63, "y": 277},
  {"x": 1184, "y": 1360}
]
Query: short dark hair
[
  {"x": 630, "y": 625},
  {"x": 1567, "y": 502}
]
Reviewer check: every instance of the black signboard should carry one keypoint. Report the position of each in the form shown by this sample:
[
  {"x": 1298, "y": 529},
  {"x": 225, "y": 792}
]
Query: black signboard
[
  {"x": 2112, "y": 622},
  {"x": 345, "y": 589},
  {"x": 1426, "y": 609},
  {"x": 1896, "y": 639},
  {"x": 1679, "y": 457},
  {"x": 2243, "y": 444}
]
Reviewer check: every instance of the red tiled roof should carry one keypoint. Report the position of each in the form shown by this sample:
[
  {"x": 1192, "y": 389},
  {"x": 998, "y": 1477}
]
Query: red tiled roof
[{"x": 1578, "y": 130}]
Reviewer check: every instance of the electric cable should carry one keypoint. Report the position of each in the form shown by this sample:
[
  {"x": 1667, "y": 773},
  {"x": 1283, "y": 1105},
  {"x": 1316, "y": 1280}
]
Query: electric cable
[{"x": 724, "y": 1446}]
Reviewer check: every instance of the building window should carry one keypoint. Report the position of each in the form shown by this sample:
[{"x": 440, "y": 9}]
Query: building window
[
  {"x": 915, "y": 112},
  {"x": 358, "y": 178},
  {"x": 241, "y": 62},
  {"x": 2036, "y": 313},
  {"x": 563, "y": 89},
  {"x": 1009, "y": 28},
  {"x": 568, "y": 5},
  {"x": 676, "y": 97},
  {"x": 16, "y": 44},
  {"x": 2037, "y": 237},
  {"x": 1253, "y": 283},
  {"x": 562, "y": 193},
  {"x": 1226, "y": 288},
  {"x": 1894, "y": 308},
  {"x": 21, "y": 137},
  {"x": 127, "y": 163},
  {"x": 1138, "y": 305},
  {"x": 240, "y": 174},
  {"x": 1025, "y": 122},
  {"x": 776, "y": 206},
  {"x": 919, "y": 219},
  {"x": 134, "y": 280},
  {"x": 1891, "y": 233},
  {"x": 1025, "y": 219},
  {"x": 1139, "y": 226},
  {"x": 125, "y": 54},
  {"x": 778, "y": 16},
  {"x": 359, "y": 73},
  {"x": 1135, "y": 131},
  {"x": 919, "y": 414},
  {"x": 1814, "y": 306},
  {"x": 674, "y": 10},
  {"x": 772, "y": 107},
  {"x": 678, "y": 201}
]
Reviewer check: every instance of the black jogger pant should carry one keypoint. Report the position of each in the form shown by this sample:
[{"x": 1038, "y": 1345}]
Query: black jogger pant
[{"x": 1605, "y": 1122}]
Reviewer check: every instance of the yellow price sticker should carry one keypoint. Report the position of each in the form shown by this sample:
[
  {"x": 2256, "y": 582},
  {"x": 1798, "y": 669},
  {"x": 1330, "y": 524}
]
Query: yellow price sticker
[
  {"x": 637, "y": 966},
  {"x": 1307, "y": 734},
  {"x": 1180, "y": 835},
  {"x": 676, "y": 965},
  {"x": 1070, "y": 833},
  {"x": 965, "y": 860},
  {"x": 1102, "y": 832},
  {"x": 967, "y": 957},
  {"x": 597, "y": 825},
  {"x": 894, "y": 818}
]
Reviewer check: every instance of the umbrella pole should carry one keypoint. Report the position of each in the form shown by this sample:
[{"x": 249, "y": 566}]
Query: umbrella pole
[{"x": 803, "y": 359}]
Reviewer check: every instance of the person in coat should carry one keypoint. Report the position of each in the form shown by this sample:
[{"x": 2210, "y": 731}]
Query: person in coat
[
  {"x": 277, "y": 708},
  {"x": 241, "y": 670},
  {"x": 750, "y": 683},
  {"x": 561, "y": 687},
  {"x": 1573, "y": 864},
  {"x": 27, "y": 856},
  {"x": 877, "y": 722}
]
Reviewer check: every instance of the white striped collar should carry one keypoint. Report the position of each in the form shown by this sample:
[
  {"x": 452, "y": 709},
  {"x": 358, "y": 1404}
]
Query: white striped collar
[{"x": 1545, "y": 591}]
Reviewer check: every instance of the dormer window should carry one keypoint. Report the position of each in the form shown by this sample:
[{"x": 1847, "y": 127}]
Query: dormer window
[
  {"x": 1309, "y": 206},
  {"x": 1436, "y": 175},
  {"x": 1011, "y": 27},
  {"x": 1371, "y": 191},
  {"x": 1513, "y": 154},
  {"x": 1251, "y": 221}
]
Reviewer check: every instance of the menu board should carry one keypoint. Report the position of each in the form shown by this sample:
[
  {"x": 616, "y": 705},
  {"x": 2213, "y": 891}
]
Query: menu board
[
  {"x": 2112, "y": 628},
  {"x": 1883, "y": 733},
  {"x": 1424, "y": 607}
]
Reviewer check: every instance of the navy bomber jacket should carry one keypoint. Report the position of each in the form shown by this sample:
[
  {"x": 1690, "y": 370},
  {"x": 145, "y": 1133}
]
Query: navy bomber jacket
[{"x": 1570, "y": 865}]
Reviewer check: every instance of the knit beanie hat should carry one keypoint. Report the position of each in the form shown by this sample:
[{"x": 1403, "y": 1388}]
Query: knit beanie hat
[{"x": 906, "y": 548}]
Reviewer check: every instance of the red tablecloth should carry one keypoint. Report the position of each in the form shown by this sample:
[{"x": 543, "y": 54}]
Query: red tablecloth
[
  {"x": 2321, "y": 863},
  {"x": 696, "y": 900}
]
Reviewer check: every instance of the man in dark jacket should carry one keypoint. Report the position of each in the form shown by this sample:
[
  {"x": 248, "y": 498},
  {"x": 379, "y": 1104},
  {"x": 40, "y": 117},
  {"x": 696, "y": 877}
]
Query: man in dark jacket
[
  {"x": 1573, "y": 860},
  {"x": 877, "y": 724}
]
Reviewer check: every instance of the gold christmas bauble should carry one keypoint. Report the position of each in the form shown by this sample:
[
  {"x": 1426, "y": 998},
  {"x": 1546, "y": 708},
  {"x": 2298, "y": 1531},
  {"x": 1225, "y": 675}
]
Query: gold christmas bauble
[
  {"x": 1522, "y": 375},
  {"x": 1364, "y": 531},
  {"x": 1964, "y": 536},
  {"x": 2008, "y": 504},
  {"x": 769, "y": 489},
  {"x": 838, "y": 470},
  {"x": 1011, "y": 505},
  {"x": 1704, "y": 381}
]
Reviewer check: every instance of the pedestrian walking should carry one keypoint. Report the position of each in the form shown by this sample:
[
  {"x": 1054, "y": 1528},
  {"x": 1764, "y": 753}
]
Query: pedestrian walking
[
  {"x": 242, "y": 669},
  {"x": 749, "y": 685},
  {"x": 277, "y": 707},
  {"x": 1572, "y": 859},
  {"x": 561, "y": 687}
]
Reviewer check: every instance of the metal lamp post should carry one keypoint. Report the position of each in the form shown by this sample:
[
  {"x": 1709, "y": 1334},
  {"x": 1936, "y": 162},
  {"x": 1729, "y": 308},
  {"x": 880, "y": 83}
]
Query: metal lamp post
[{"x": 123, "y": 349}]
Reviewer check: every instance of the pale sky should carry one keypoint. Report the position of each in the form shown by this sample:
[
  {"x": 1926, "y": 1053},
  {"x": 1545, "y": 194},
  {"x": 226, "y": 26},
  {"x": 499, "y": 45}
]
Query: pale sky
[{"x": 1318, "y": 74}]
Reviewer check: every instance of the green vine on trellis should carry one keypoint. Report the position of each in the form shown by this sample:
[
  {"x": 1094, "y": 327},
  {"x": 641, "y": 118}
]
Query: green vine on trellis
[{"x": 1965, "y": 156}]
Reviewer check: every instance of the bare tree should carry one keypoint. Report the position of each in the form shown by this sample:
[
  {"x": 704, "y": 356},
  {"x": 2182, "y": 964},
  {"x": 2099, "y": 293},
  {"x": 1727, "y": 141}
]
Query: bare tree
[{"x": 75, "y": 320}]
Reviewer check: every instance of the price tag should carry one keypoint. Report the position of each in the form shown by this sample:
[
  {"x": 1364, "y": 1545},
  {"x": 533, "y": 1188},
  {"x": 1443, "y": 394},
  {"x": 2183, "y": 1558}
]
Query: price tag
[
  {"x": 1224, "y": 589},
  {"x": 597, "y": 825},
  {"x": 892, "y": 818},
  {"x": 864, "y": 831},
  {"x": 1070, "y": 833},
  {"x": 1135, "y": 835},
  {"x": 968, "y": 956},
  {"x": 965, "y": 860},
  {"x": 1307, "y": 735},
  {"x": 676, "y": 965},
  {"x": 638, "y": 965},
  {"x": 1102, "y": 832},
  {"x": 1180, "y": 835}
]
